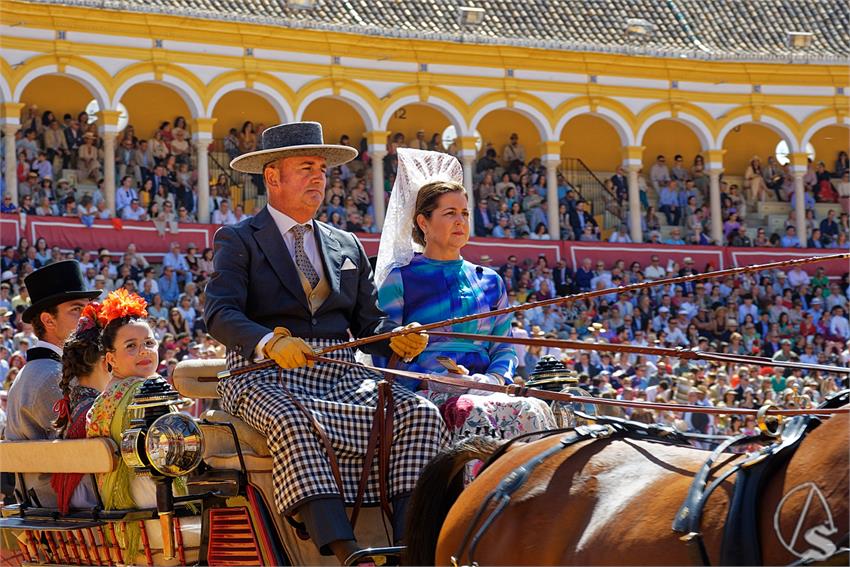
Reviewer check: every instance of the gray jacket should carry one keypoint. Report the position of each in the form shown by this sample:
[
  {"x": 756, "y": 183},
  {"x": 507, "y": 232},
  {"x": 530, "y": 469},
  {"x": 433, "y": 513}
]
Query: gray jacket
[{"x": 30, "y": 414}]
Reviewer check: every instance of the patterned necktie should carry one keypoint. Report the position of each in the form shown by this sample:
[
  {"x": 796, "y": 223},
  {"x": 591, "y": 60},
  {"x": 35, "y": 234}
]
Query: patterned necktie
[{"x": 301, "y": 259}]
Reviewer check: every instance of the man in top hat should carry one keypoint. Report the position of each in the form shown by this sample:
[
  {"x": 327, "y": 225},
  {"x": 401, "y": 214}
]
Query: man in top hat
[
  {"x": 58, "y": 292},
  {"x": 284, "y": 285}
]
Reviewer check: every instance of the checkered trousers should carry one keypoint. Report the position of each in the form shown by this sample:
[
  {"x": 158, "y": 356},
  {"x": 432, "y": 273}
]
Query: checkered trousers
[{"x": 343, "y": 400}]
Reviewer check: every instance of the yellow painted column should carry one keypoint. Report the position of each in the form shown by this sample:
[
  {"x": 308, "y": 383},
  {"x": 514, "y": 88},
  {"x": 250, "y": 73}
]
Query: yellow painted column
[
  {"x": 714, "y": 159},
  {"x": 11, "y": 125},
  {"x": 633, "y": 162},
  {"x": 202, "y": 136},
  {"x": 799, "y": 165},
  {"x": 467, "y": 153},
  {"x": 108, "y": 124},
  {"x": 550, "y": 152},
  {"x": 377, "y": 140}
]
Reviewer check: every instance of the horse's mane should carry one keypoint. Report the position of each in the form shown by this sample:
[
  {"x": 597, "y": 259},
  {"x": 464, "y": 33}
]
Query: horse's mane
[{"x": 437, "y": 489}]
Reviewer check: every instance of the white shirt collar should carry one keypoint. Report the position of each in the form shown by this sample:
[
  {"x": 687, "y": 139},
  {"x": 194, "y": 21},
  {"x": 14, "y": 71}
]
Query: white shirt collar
[
  {"x": 283, "y": 221},
  {"x": 44, "y": 344}
]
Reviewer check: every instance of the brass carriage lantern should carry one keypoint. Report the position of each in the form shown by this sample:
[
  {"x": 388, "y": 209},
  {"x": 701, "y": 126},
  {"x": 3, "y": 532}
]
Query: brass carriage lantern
[{"x": 163, "y": 444}]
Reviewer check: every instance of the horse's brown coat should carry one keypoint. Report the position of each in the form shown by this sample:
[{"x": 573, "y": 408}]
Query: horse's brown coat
[{"x": 612, "y": 502}]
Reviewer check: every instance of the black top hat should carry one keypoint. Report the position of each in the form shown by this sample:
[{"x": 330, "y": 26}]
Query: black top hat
[
  {"x": 54, "y": 284},
  {"x": 293, "y": 139}
]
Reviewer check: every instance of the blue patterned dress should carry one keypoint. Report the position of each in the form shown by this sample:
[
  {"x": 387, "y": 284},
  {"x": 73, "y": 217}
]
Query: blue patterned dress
[{"x": 426, "y": 291}]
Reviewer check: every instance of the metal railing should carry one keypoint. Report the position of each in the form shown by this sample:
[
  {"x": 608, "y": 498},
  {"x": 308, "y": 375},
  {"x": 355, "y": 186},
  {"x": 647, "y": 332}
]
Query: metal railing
[
  {"x": 243, "y": 188},
  {"x": 591, "y": 188}
]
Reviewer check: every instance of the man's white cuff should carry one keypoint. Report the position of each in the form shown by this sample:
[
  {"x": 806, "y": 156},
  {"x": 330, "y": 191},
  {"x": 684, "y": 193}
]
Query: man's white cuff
[{"x": 259, "y": 355}]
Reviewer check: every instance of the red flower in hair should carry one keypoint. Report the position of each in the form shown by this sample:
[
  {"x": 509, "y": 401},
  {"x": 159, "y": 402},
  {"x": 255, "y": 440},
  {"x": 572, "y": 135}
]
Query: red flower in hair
[
  {"x": 121, "y": 303},
  {"x": 89, "y": 317}
]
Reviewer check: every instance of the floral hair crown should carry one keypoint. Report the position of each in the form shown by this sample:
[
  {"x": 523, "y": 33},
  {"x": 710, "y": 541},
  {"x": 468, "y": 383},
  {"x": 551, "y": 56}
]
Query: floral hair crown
[{"x": 121, "y": 303}]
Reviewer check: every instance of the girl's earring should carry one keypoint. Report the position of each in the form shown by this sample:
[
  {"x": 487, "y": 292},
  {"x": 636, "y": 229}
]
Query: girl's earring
[{"x": 109, "y": 367}]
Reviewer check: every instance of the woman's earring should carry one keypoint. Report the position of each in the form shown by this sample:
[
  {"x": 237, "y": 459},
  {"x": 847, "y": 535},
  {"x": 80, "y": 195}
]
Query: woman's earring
[{"x": 109, "y": 367}]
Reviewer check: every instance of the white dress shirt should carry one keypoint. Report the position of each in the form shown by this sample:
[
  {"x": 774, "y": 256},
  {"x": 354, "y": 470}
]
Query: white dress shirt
[
  {"x": 44, "y": 344},
  {"x": 284, "y": 224}
]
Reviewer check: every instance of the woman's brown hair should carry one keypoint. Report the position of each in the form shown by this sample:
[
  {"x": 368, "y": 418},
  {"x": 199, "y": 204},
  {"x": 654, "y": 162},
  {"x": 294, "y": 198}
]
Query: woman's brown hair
[{"x": 426, "y": 203}]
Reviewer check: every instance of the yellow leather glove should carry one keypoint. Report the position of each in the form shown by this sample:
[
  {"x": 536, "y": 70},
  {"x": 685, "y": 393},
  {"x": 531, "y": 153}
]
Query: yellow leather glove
[
  {"x": 287, "y": 351},
  {"x": 410, "y": 345}
]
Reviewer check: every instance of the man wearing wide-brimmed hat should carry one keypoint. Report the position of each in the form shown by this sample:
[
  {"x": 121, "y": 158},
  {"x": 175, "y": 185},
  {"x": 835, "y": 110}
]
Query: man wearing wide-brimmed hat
[
  {"x": 284, "y": 285},
  {"x": 58, "y": 293}
]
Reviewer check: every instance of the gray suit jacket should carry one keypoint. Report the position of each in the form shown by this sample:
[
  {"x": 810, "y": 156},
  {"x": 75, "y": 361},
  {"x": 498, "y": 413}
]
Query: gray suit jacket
[
  {"x": 255, "y": 287},
  {"x": 30, "y": 414}
]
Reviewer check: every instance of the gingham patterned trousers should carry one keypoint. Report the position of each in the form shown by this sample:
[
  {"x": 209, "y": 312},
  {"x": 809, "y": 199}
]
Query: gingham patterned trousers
[{"x": 343, "y": 400}]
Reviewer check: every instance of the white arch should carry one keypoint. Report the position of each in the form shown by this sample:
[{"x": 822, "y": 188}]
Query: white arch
[
  {"x": 284, "y": 112},
  {"x": 370, "y": 119},
  {"x": 696, "y": 125},
  {"x": 618, "y": 122},
  {"x": 5, "y": 90},
  {"x": 94, "y": 87},
  {"x": 447, "y": 109},
  {"x": 539, "y": 121},
  {"x": 189, "y": 96},
  {"x": 768, "y": 121},
  {"x": 831, "y": 121}
]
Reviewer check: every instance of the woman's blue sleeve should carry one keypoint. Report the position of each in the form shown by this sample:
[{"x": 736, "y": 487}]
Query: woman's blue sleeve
[
  {"x": 503, "y": 358},
  {"x": 391, "y": 296}
]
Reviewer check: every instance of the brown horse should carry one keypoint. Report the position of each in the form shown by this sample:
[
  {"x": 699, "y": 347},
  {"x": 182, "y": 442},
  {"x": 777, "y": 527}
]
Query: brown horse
[{"x": 613, "y": 501}]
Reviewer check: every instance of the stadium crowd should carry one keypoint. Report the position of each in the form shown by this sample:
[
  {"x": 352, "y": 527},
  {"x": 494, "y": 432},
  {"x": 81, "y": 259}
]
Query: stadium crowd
[
  {"x": 798, "y": 315},
  {"x": 157, "y": 182}
]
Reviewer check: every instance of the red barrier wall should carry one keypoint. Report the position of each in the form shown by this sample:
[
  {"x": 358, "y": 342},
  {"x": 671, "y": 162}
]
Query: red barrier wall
[{"x": 70, "y": 233}]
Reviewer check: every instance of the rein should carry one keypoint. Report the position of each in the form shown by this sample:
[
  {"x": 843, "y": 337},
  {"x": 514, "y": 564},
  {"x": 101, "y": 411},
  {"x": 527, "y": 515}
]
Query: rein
[
  {"x": 553, "y": 301},
  {"x": 524, "y": 391},
  {"x": 689, "y": 354}
]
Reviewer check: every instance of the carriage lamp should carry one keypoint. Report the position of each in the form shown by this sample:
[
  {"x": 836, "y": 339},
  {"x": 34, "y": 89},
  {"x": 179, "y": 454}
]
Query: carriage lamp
[
  {"x": 551, "y": 374},
  {"x": 162, "y": 444}
]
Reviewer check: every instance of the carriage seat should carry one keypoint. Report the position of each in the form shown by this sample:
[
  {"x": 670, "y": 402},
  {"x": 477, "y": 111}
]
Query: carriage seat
[
  {"x": 197, "y": 379},
  {"x": 98, "y": 455}
]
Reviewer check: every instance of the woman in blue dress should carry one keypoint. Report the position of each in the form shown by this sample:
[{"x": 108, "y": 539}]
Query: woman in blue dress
[{"x": 428, "y": 211}]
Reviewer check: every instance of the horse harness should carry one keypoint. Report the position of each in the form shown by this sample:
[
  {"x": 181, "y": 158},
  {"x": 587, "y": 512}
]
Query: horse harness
[
  {"x": 740, "y": 539},
  {"x": 740, "y": 543}
]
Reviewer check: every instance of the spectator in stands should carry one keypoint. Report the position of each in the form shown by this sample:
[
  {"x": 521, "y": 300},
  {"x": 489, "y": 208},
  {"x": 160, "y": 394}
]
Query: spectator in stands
[
  {"x": 488, "y": 162},
  {"x": 180, "y": 146},
  {"x": 247, "y": 138},
  {"x": 125, "y": 194},
  {"x": 125, "y": 160},
  {"x": 790, "y": 240},
  {"x": 668, "y": 199},
  {"x": 580, "y": 218},
  {"x": 774, "y": 177},
  {"x": 659, "y": 174},
  {"x": 27, "y": 205},
  {"x": 175, "y": 260},
  {"x": 513, "y": 152},
  {"x": 483, "y": 221},
  {"x": 169, "y": 288},
  {"x": 134, "y": 212},
  {"x": 740, "y": 238},
  {"x": 754, "y": 181},
  {"x": 679, "y": 172},
  {"x": 224, "y": 216},
  {"x": 675, "y": 238},
  {"x": 620, "y": 235},
  {"x": 159, "y": 148},
  {"x": 88, "y": 163}
]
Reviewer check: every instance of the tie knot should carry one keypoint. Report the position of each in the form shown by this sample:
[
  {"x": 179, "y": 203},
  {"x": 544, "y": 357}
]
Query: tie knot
[{"x": 300, "y": 229}]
